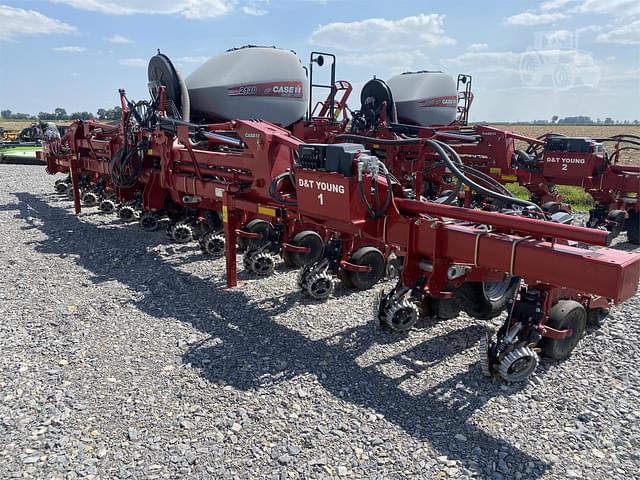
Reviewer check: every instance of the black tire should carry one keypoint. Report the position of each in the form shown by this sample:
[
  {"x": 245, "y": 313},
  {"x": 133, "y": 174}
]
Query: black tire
[
  {"x": 596, "y": 316},
  {"x": 445, "y": 308},
  {"x": 486, "y": 300},
  {"x": 564, "y": 314},
  {"x": 213, "y": 221},
  {"x": 345, "y": 279},
  {"x": 633, "y": 227},
  {"x": 551, "y": 207},
  {"x": 255, "y": 226},
  {"x": 394, "y": 267},
  {"x": 306, "y": 238},
  {"x": 371, "y": 257},
  {"x": 618, "y": 217}
]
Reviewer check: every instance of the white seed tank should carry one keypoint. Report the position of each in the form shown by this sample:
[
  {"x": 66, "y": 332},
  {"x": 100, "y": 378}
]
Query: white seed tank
[
  {"x": 250, "y": 82},
  {"x": 424, "y": 98}
]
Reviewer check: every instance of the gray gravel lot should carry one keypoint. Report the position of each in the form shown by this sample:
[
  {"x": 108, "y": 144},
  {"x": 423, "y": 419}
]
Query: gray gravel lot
[{"x": 124, "y": 357}]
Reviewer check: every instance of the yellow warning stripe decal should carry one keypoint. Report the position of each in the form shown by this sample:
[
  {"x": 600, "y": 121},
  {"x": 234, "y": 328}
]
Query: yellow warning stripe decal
[{"x": 271, "y": 212}]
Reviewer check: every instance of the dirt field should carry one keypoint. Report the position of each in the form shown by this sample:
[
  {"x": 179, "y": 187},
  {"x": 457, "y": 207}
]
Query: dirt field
[
  {"x": 17, "y": 125},
  {"x": 593, "y": 131},
  {"x": 13, "y": 127}
]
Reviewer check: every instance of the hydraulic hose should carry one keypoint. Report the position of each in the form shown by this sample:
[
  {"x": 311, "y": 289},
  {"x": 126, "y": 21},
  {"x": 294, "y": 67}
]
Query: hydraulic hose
[
  {"x": 273, "y": 193},
  {"x": 486, "y": 178},
  {"x": 479, "y": 175},
  {"x": 441, "y": 147},
  {"x": 408, "y": 141},
  {"x": 363, "y": 197},
  {"x": 387, "y": 201},
  {"x": 379, "y": 141},
  {"x": 632, "y": 139},
  {"x": 525, "y": 157}
]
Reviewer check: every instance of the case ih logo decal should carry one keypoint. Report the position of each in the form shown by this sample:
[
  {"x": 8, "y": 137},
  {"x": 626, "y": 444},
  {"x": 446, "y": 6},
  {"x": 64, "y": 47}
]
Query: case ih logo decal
[
  {"x": 450, "y": 101},
  {"x": 271, "y": 89}
]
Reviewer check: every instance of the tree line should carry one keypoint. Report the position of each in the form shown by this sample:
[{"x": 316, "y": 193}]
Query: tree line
[
  {"x": 116, "y": 112},
  {"x": 61, "y": 114},
  {"x": 587, "y": 120}
]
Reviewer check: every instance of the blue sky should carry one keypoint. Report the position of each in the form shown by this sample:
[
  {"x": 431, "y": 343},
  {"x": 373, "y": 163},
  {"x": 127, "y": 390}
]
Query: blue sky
[{"x": 529, "y": 59}]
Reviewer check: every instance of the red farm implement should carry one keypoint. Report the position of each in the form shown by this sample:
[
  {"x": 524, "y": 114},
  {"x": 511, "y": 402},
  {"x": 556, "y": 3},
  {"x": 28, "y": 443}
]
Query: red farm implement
[
  {"x": 492, "y": 157},
  {"x": 358, "y": 211}
]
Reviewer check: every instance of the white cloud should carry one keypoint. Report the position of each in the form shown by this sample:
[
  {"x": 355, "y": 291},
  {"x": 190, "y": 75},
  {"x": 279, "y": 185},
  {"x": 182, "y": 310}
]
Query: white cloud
[
  {"x": 562, "y": 69},
  {"x": 555, "y": 39},
  {"x": 486, "y": 65},
  {"x": 624, "y": 20},
  {"x": 622, "y": 8},
  {"x": 483, "y": 58},
  {"x": 622, "y": 12},
  {"x": 118, "y": 39},
  {"x": 554, "y": 4},
  {"x": 17, "y": 21},
  {"x": 196, "y": 59},
  {"x": 533, "y": 18},
  {"x": 590, "y": 29},
  {"x": 133, "y": 62},
  {"x": 396, "y": 62},
  {"x": 191, "y": 9},
  {"x": 474, "y": 47},
  {"x": 547, "y": 57},
  {"x": 626, "y": 34},
  {"x": 70, "y": 49},
  {"x": 378, "y": 34},
  {"x": 254, "y": 10}
]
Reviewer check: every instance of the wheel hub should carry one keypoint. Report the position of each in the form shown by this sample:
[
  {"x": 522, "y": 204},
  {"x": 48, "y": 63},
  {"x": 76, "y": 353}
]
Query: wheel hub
[
  {"x": 401, "y": 315},
  {"x": 182, "y": 233},
  {"x": 262, "y": 264},
  {"x": 319, "y": 285},
  {"x": 519, "y": 364},
  {"x": 496, "y": 290},
  {"x": 127, "y": 213},
  {"x": 107, "y": 206},
  {"x": 89, "y": 199},
  {"x": 213, "y": 243},
  {"x": 149, "y": 221},
  {"x": 62, "y": 187}
]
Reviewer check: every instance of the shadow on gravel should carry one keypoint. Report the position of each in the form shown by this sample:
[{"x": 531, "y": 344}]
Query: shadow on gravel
[
  {"x": 626, "y": 246},
  {"x": 253, "y": 345}
]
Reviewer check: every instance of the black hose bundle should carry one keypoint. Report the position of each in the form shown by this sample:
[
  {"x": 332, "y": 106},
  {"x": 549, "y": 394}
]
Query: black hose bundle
[
  {"x": 441, "y": 146},
  {"x": 127, "y": 162},
  {"x": 380, "y": 210},
  {"x": 457, "y": 169},
  {"x": 473, "y": 173},
  {"x": 126, "y": 165},
  {"x": 273, "y": 189}
]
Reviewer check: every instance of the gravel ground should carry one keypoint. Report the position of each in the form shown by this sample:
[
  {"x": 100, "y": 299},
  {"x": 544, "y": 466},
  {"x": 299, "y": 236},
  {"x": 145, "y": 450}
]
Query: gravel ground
[{"x": 124, "y": 357}]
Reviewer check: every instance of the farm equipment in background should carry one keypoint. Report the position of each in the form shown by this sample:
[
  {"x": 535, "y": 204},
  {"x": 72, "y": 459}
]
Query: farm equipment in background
[
  {"x": 102, "y": 171},
  {"x": 338, "y": 209},
  {"x": 23, "y": 153},
  {"x": 22, "y": 147},
  {"x": 492, "y": 157},
  {"x": 36, "y": 132}
]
